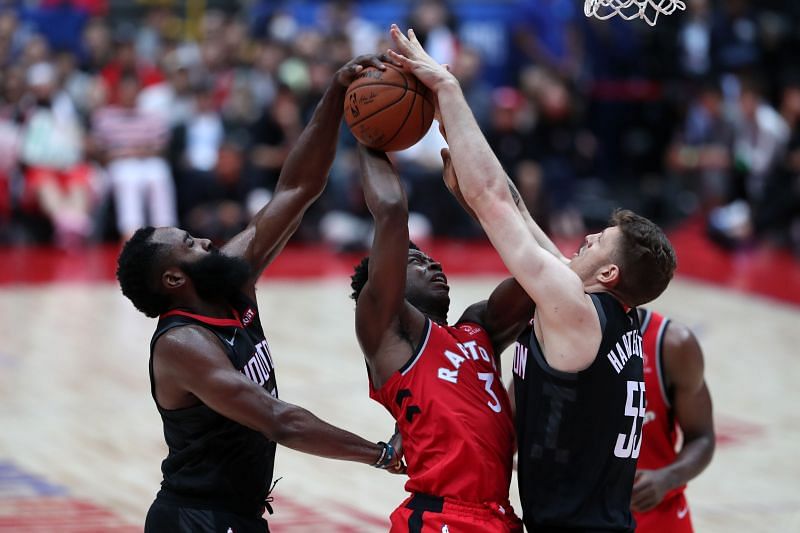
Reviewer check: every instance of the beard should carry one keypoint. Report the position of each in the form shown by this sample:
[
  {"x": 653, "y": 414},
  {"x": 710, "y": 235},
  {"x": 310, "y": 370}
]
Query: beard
[{"x": 218, "y": 277}]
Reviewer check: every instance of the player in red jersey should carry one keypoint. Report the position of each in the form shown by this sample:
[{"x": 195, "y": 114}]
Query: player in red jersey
[
  {"x": 678, "y": 402},
  {"x": 441, "y": 383}
]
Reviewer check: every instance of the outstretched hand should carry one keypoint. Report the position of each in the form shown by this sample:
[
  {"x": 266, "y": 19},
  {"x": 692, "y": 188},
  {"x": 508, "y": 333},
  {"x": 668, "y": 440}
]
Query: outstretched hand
[
  {"x": 347, "y": 74},
  {"x": 413, "y": 58}
]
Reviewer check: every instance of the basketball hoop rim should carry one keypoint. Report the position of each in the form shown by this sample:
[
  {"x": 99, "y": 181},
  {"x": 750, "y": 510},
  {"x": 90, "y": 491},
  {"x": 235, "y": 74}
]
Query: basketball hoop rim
[{"x": 648, "y": 10}]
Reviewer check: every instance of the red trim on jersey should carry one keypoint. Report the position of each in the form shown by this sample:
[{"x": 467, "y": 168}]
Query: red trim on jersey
[
  {"x": 660, "y": 433},
  {"x": 224, "y": 322}
]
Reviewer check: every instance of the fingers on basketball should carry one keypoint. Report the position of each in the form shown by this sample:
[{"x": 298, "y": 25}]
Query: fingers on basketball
[{"x": 388, "y": 110}]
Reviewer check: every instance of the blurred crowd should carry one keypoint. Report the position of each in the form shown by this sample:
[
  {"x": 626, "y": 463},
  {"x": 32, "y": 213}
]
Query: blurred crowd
[{"x": 113, "y": 118}]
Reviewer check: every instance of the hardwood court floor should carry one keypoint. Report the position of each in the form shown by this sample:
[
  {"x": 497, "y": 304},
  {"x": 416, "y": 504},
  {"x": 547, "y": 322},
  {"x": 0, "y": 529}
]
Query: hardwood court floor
[{"x": 81, "y": 443}]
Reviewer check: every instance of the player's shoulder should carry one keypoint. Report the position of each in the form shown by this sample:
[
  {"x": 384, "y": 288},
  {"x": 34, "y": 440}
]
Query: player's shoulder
[
  {"x": 682, "y": 354},
  {"x": 185, "y": 342},
  {"x": 467, "y": 328}
]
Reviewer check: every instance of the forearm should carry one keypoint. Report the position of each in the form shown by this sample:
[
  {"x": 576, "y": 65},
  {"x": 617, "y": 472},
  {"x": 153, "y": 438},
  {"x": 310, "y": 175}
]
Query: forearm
[
  {"x": 476, "y": 166},
  {"x": 691, "y": 461},
  {"x": 383, "y": 193},
  {"x": 304, "y": 432}
]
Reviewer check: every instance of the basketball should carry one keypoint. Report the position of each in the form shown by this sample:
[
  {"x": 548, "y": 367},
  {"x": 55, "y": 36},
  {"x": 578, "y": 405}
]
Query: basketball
[{"x": 388, "y": 109}]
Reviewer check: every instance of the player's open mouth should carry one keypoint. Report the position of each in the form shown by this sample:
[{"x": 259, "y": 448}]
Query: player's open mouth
[{"x": 439, "y": 278}]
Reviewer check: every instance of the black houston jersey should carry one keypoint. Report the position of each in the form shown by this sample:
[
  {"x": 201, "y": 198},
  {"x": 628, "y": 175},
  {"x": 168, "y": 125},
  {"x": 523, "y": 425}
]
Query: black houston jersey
[
  {"x": 579, "y": 433},
  {"x": 214, "y": 461}
]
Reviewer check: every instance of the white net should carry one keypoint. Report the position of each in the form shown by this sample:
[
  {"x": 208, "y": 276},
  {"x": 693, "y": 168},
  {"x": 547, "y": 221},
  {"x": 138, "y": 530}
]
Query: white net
[{"x": 649, "y": 10}]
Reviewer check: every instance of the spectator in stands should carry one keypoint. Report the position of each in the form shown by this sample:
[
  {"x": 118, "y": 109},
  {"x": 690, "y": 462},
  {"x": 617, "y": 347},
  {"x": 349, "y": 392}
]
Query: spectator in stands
[
  {"x": 547, "y": 35},
  {"x": 273, "y": 134},
  {"x": 194, "y": 148},
  {"x": 735, "y": 37},
  {"x": 57, "y": 176},
  {"x": 777, "y": 216},
  {"x": 341, "y": 16},
  {"x": 435, "y": 26},
  {"x": 701, "y": 153},
  {"x": 97, "y": 48},
  {"x": 132, "y": 143},
  {"x": 467, "y": 68},
  {"x": 218, "y": 204},
  {"x": 760, "y": 141},
  {"x": 126, "y": 63},
  {"x": 694, "y": 39},
  {"x": 563, "y": 148}
]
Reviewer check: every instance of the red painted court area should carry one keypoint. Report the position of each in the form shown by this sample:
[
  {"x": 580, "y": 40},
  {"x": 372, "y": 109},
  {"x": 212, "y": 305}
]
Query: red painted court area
[{"x": 760, "y": 270}]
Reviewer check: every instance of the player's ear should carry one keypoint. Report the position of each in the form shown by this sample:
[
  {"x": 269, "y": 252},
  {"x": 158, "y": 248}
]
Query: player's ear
[
  {"x": 173, "y": 278},
  {"x": 608, "y": 275}
]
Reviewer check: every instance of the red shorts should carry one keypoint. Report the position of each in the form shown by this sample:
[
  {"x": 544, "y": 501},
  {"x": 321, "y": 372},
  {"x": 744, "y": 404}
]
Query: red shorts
[
  {"x": 430, "y": 514},
  {"x": 671, "y": 515}
]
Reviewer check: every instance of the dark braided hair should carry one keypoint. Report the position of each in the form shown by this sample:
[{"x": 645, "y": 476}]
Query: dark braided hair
[
  {"x": 361, "y": 274},
  {"x": 135, "y": 268}
]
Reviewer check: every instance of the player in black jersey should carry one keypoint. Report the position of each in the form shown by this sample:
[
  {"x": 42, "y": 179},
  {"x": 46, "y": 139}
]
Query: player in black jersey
[
  {"x": 211, "y": 371},
  {"x": 578, "y": 368}
]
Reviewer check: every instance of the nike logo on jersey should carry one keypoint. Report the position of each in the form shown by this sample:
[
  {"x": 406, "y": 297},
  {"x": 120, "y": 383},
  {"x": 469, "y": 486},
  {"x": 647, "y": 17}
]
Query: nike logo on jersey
[
  {"x": 683, "y": 512},
  {"x": 230, "y": 342},
  {"x": 649, "y": 416},
  {"x": 445, "y": 529}
]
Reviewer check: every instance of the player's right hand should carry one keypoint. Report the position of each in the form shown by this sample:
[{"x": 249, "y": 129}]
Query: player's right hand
[{"x": 347, "y": 74}]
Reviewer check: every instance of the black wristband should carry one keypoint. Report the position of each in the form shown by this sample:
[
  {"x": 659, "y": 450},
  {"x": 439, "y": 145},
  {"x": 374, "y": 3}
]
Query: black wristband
[{"x": 386, "y": 457}]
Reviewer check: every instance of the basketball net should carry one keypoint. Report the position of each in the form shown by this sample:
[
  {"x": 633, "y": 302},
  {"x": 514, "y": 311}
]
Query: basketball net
[{"x": 649, "y": 10}]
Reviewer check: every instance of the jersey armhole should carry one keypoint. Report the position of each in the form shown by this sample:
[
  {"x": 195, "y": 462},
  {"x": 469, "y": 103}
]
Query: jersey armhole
[
  {"x": 662, "y": 376},
  {"x": 601, "y": 313},
  {"x": 538, "y": 356},
  {"x": 423, "y": 341}
]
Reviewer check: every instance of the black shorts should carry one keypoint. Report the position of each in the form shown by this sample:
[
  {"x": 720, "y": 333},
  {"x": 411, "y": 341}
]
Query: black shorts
[{"x": 168, "y": 517}]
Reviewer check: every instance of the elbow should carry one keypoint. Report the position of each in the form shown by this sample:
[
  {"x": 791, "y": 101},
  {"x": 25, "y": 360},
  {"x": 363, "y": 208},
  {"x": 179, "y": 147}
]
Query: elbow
[
  {"x": 391, "y": 211},
  {"x": 286, "y": 425},
  {"x": 484, "y": 193}
]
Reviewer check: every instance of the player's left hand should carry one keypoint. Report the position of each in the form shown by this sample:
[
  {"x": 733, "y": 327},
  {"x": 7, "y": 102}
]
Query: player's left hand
[{"x": 649, "y": 488}]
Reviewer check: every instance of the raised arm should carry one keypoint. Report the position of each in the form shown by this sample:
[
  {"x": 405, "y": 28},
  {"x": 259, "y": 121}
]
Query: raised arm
[
  {"x": 691, "y": 402},
  {"x": 192, "y": 359},
  {"x": 302, "y": 178},
  {"x": 568, "y": 322},
  {"x": 382, "y": 299}
]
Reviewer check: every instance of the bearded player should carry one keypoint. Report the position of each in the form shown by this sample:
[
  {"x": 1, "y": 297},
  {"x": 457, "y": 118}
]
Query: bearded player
[
  {"x": 441, "y": 383},
  {"x": 212, "y": 375},
  {"x": 678, "y": 402}
]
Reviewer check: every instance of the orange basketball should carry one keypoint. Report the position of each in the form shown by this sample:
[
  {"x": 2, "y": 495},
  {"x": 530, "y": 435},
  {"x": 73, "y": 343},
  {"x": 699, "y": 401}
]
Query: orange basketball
[{"x": 388, "y": 109}]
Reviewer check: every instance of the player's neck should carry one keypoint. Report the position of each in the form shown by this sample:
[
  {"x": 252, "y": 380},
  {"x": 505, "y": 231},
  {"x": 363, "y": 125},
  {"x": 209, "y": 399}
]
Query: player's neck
[
  {"x": 441, "y": 320},
  {"x": 199, "y": 306}
]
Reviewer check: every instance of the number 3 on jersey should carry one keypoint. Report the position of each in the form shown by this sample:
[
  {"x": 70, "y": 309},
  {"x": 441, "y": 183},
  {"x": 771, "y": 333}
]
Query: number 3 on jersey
[
  {"x": 634, "y": 439},
  {"x": 488, "y": 377}
]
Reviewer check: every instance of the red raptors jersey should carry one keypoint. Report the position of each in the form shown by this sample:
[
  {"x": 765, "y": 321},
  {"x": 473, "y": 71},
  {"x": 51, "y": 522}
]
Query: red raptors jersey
[
  {"x": 660, "y": 433},
  {"x": 454, "y": 416}
]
